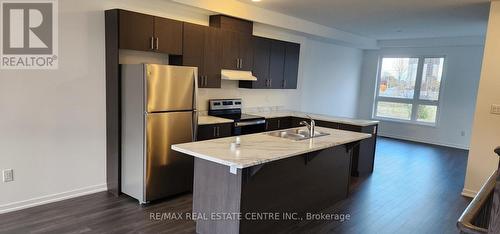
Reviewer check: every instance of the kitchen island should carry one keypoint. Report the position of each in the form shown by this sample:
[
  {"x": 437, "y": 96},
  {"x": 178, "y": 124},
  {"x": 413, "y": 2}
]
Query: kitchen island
[{"x": 268, "y": 182}]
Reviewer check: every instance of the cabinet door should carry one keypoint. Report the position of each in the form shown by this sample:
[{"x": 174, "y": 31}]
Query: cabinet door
[
  {"x": 136, "y": 31},
  {"x": 277, "y": 63},
  {"x": 224, "y": 130},
  {"x": 193, "y": 49},
  {"x": 212, "y": 55},
  {"x": 295, "y": 122},
  {"x": 261, "y": 50},
  {"x": 168, "y": 36},
  {"x": 230, "y": 50},
  {"x": 285, "y": 122},
  {"x": 245, "y": 52},
  {"x": 272, "y": 124},
  {"x": 349, "y": 127},
  {"x": 206, "y": 132},
  {"x": 213, "y": 131},
  {"x": 326, "y": 124},
  {"x": 291, "y": 70}
]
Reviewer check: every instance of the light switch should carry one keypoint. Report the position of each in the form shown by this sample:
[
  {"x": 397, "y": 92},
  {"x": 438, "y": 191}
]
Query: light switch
[{"x": 495, "y": 109}]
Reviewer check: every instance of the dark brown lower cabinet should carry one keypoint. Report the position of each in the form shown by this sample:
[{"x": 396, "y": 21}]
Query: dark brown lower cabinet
[
  {"x": 327, "y": 124},
  {"x": 363, "y": 154},
  {"x": 278, "y": 123},
  {"x": 213, "y": 131}
]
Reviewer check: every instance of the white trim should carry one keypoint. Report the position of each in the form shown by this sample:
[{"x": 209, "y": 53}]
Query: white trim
[
  {"x": 469, "y": 193},
  {"x": 9, "y": 207},
  {"x": 423, "y": 140}
]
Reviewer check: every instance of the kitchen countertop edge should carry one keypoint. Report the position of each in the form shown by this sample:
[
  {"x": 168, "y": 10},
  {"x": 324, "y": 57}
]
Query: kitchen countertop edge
[{"x": 262, "y": 161}]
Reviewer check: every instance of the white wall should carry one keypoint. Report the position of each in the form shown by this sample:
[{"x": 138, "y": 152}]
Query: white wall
[
  {"x": 463, "y": 65},
  {"x": 52, "y": 123},
  {"x": 486, "y": 128},
  {"x": 332, "y": 86}
]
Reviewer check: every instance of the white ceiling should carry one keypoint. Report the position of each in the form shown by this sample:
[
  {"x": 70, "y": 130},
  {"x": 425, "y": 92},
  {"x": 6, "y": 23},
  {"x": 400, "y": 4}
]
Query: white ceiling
[{"x": 390, "y": 19}]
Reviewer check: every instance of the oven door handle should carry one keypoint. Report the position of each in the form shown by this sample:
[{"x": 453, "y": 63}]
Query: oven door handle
[{"x": 247, "y": 123}]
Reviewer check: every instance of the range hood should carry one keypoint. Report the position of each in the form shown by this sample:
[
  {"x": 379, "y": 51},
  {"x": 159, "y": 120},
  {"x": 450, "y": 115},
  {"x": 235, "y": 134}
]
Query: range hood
[{"x": 237, "y": 75}]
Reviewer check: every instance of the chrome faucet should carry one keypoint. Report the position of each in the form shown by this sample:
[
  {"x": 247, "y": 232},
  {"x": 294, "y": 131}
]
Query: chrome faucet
[{"x": 310, "y": 126}]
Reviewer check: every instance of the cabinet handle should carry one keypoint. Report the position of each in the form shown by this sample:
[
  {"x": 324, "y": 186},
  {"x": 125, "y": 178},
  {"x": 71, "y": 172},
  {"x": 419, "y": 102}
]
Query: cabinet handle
[
  {"x": 151, "y": 43},
  {"x": 157, "y": 43},
  {"x": 218, "y": 131},
  {"x": 279, "y": 123},
  {"x": 284, "y": 83},
  {"x": 270, "y": 83},
  {"x": 215, "y": 131},
  {"x": 237, "y": 63},
  {"x": 206, "y": 81},
  {"x": 241, "y": 63}
]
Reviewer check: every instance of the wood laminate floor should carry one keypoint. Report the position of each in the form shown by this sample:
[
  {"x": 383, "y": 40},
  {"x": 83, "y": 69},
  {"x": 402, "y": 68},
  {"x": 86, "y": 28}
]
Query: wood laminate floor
[{"x": 415, "y": 189}]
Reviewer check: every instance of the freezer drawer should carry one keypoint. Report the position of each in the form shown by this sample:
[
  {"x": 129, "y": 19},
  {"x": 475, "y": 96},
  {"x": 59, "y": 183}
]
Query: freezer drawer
[
  {"x": 170, "y": 88},
  {"x": 168, "y": 172}
]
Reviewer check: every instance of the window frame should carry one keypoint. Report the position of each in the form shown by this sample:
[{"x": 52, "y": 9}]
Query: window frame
[{"x": 415, "y": 101}]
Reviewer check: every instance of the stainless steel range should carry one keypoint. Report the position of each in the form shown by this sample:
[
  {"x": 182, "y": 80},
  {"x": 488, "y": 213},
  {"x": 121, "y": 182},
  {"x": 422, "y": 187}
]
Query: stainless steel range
[{"x": 231, "y": 109}]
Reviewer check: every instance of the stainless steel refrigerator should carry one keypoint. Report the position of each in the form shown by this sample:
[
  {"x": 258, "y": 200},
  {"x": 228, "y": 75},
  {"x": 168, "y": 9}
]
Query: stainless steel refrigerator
[{"x": 158, "y": 110}]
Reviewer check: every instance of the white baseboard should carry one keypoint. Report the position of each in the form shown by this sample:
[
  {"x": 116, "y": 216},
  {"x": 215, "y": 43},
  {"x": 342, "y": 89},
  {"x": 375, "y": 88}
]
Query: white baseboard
[
  {"x": 469, "y": 193},
  {"x": 464, "y": 147},
  {"x": 51, "y": 198}
]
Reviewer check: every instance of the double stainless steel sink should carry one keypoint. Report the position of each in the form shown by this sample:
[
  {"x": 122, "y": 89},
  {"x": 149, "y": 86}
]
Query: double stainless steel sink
[{"x": 296, "y": 134}]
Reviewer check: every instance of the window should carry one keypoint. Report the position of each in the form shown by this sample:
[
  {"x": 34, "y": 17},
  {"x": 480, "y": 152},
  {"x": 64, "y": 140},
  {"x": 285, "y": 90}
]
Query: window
[{"x": 408, "y": 89}]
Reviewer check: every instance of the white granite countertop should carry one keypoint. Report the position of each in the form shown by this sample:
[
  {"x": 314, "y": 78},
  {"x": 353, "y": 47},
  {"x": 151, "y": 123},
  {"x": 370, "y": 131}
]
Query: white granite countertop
[
  {"x": 261, "y": 148},
  {"x": 284, "y": 113},
  {"x": 207, "y": 119}
]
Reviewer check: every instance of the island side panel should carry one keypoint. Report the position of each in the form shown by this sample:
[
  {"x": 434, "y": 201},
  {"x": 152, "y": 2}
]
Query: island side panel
[
  {"x": 363, "y": 154},
  {"x": 215, "y": 191},
  {"x": 367, "y": 151},
  {"x": 306, "y": 183}
]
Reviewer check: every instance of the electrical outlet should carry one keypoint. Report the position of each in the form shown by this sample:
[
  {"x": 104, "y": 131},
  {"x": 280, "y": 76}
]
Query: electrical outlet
[
  {"x": 495, "y": 109},
  {"x": 8, "y": 175}
]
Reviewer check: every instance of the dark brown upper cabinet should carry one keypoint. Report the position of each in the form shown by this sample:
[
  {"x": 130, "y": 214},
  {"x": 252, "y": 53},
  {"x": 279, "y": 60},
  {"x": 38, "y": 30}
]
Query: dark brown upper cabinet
[
  {"x": 277, "y": 64},
  {"x": 231, "y": 24},
  {"x": 135, "y": 31},
  {"x": 237, "y": 52},
  {"x": 291, "y": 69},
  {"x": 149, "y": 33},
  {"x": 202, "y": 49},
  {"x": 261, "y": 55},
  {"x": 168, "y": 36}
]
